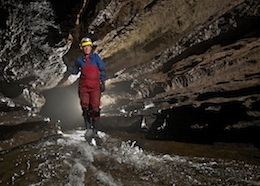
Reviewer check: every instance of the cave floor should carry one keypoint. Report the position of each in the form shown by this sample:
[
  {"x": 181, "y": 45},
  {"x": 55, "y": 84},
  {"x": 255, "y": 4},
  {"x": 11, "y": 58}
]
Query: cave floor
[{"x": 246, "y": 152}]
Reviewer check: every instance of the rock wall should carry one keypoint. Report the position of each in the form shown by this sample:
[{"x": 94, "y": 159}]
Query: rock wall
[
  {"x": 200, "y": 57},
  {"x": 30, "y": 62},
  {"x": 193, "y": 59}
]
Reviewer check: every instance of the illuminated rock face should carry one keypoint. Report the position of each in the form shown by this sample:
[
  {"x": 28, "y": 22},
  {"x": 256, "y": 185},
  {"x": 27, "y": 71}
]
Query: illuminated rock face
[
  {"x": 29, "y": 63},
  {"x": 160, "y": 55},
  {"x": 198, "y": 57}
]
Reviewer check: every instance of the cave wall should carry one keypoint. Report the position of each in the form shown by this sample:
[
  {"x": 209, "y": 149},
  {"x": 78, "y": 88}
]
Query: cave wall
[
  {"x": 162, "y": 57},
  {"x": 165, "y": 56}
]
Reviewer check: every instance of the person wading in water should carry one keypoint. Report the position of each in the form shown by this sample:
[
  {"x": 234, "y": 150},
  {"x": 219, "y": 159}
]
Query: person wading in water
[{"x": 91, "y": 84}]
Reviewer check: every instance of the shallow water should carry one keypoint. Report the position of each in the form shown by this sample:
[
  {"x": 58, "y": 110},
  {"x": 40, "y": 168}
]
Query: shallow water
[{"x": 70, "y": 160}]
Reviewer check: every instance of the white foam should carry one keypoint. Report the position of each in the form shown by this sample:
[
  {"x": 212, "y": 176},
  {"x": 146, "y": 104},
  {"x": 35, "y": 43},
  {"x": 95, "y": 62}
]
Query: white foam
[
  {"x": 47, "y": 120},
  {"x": 150, "y": 167},
  {"x": 147, "y": 106},
  {"x": 107, "y": 179},
  {"x": 93, "y": 142},
  {"x": 143, "y": 124},
  {"x": 77, "y": 175},
  {"x": 102, "y": 135}
]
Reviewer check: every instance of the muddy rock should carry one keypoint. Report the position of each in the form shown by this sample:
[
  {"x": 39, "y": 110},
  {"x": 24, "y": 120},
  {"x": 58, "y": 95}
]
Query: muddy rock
[{"x": 17, "y": 128}]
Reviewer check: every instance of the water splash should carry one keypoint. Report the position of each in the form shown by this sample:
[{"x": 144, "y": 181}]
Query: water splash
[{"x": 70, "y": 159}]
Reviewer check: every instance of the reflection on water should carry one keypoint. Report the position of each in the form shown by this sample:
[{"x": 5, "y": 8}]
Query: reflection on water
[{"x": 70, "y": 160}]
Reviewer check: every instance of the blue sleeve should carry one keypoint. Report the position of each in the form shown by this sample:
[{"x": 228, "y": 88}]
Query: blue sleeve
[
  {"x": 75, "y": 69},
  {"x": 101, "y": 67}
]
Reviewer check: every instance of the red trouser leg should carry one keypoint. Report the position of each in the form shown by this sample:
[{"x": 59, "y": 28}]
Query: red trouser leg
[
  {"x": 84, "y": 96},
  {"x": 95, "y": 103},
  {"x": 90, "y": 99}
]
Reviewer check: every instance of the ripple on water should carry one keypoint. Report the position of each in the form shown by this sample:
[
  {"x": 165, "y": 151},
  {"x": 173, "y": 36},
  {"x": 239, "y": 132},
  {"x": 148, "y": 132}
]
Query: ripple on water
[{"x": 69, "y": 159}]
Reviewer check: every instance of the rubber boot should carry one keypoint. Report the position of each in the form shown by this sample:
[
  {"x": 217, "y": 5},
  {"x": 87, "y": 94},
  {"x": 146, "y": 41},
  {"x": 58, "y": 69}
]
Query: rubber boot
[
  {"x": 86, "y": 117},
  {"x": 89, "y": 132},
  {"x": 87, "y": 123},
  {"x": 95, "y": 126},
  {"x": 95, "y": 139}
]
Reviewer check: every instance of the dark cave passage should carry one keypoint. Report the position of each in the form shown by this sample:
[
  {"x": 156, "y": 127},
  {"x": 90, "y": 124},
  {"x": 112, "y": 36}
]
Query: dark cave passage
[{"x": 198, "y": 125}]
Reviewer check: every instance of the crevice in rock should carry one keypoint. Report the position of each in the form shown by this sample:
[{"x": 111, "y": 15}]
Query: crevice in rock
[
  {"x": 3, "y": 15},
  {"x": 11, "y": 90},
  {"x": 229, "y": 94},
  {"x": 149, "y": 6},
  {"x": 8, "y": 131},
  {"x": 198, "y": 125}
]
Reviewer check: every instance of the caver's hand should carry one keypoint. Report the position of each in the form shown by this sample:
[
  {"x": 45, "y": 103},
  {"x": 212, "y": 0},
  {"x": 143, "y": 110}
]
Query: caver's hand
[{"x": 102, "y": 86}]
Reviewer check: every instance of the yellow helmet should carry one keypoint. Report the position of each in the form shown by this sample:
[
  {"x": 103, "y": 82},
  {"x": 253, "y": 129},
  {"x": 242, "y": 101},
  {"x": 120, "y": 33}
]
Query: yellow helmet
[{"x": 85, "y": 41}]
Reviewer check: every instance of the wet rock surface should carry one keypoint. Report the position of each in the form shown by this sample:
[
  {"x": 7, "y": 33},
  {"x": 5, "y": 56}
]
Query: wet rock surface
[
  {"x": 203, "y": 57},
  {"x": 17, "y": 128},
  {"x": 70, "y": 160},
  {"x": 179, "y": 70}
]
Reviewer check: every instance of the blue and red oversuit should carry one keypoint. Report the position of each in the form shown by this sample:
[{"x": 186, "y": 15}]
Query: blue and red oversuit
[{"x": 92, "y": 72}]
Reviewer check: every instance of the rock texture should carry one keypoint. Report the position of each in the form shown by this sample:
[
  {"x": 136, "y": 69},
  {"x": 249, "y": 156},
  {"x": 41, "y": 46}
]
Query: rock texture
[
  {"x": 30, "y": 62},
  {"x": 185, "y": 68},
  {"x": 196, "y": 59},
  {"x": 17, "y": 128}
]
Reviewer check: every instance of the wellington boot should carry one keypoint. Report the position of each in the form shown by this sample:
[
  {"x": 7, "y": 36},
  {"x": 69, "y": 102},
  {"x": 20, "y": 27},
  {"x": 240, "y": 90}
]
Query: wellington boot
[
  {"x": 95, "y": 126},
  {"x": 88, "y": 134},
  {"x": 87, "y": 123}
]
